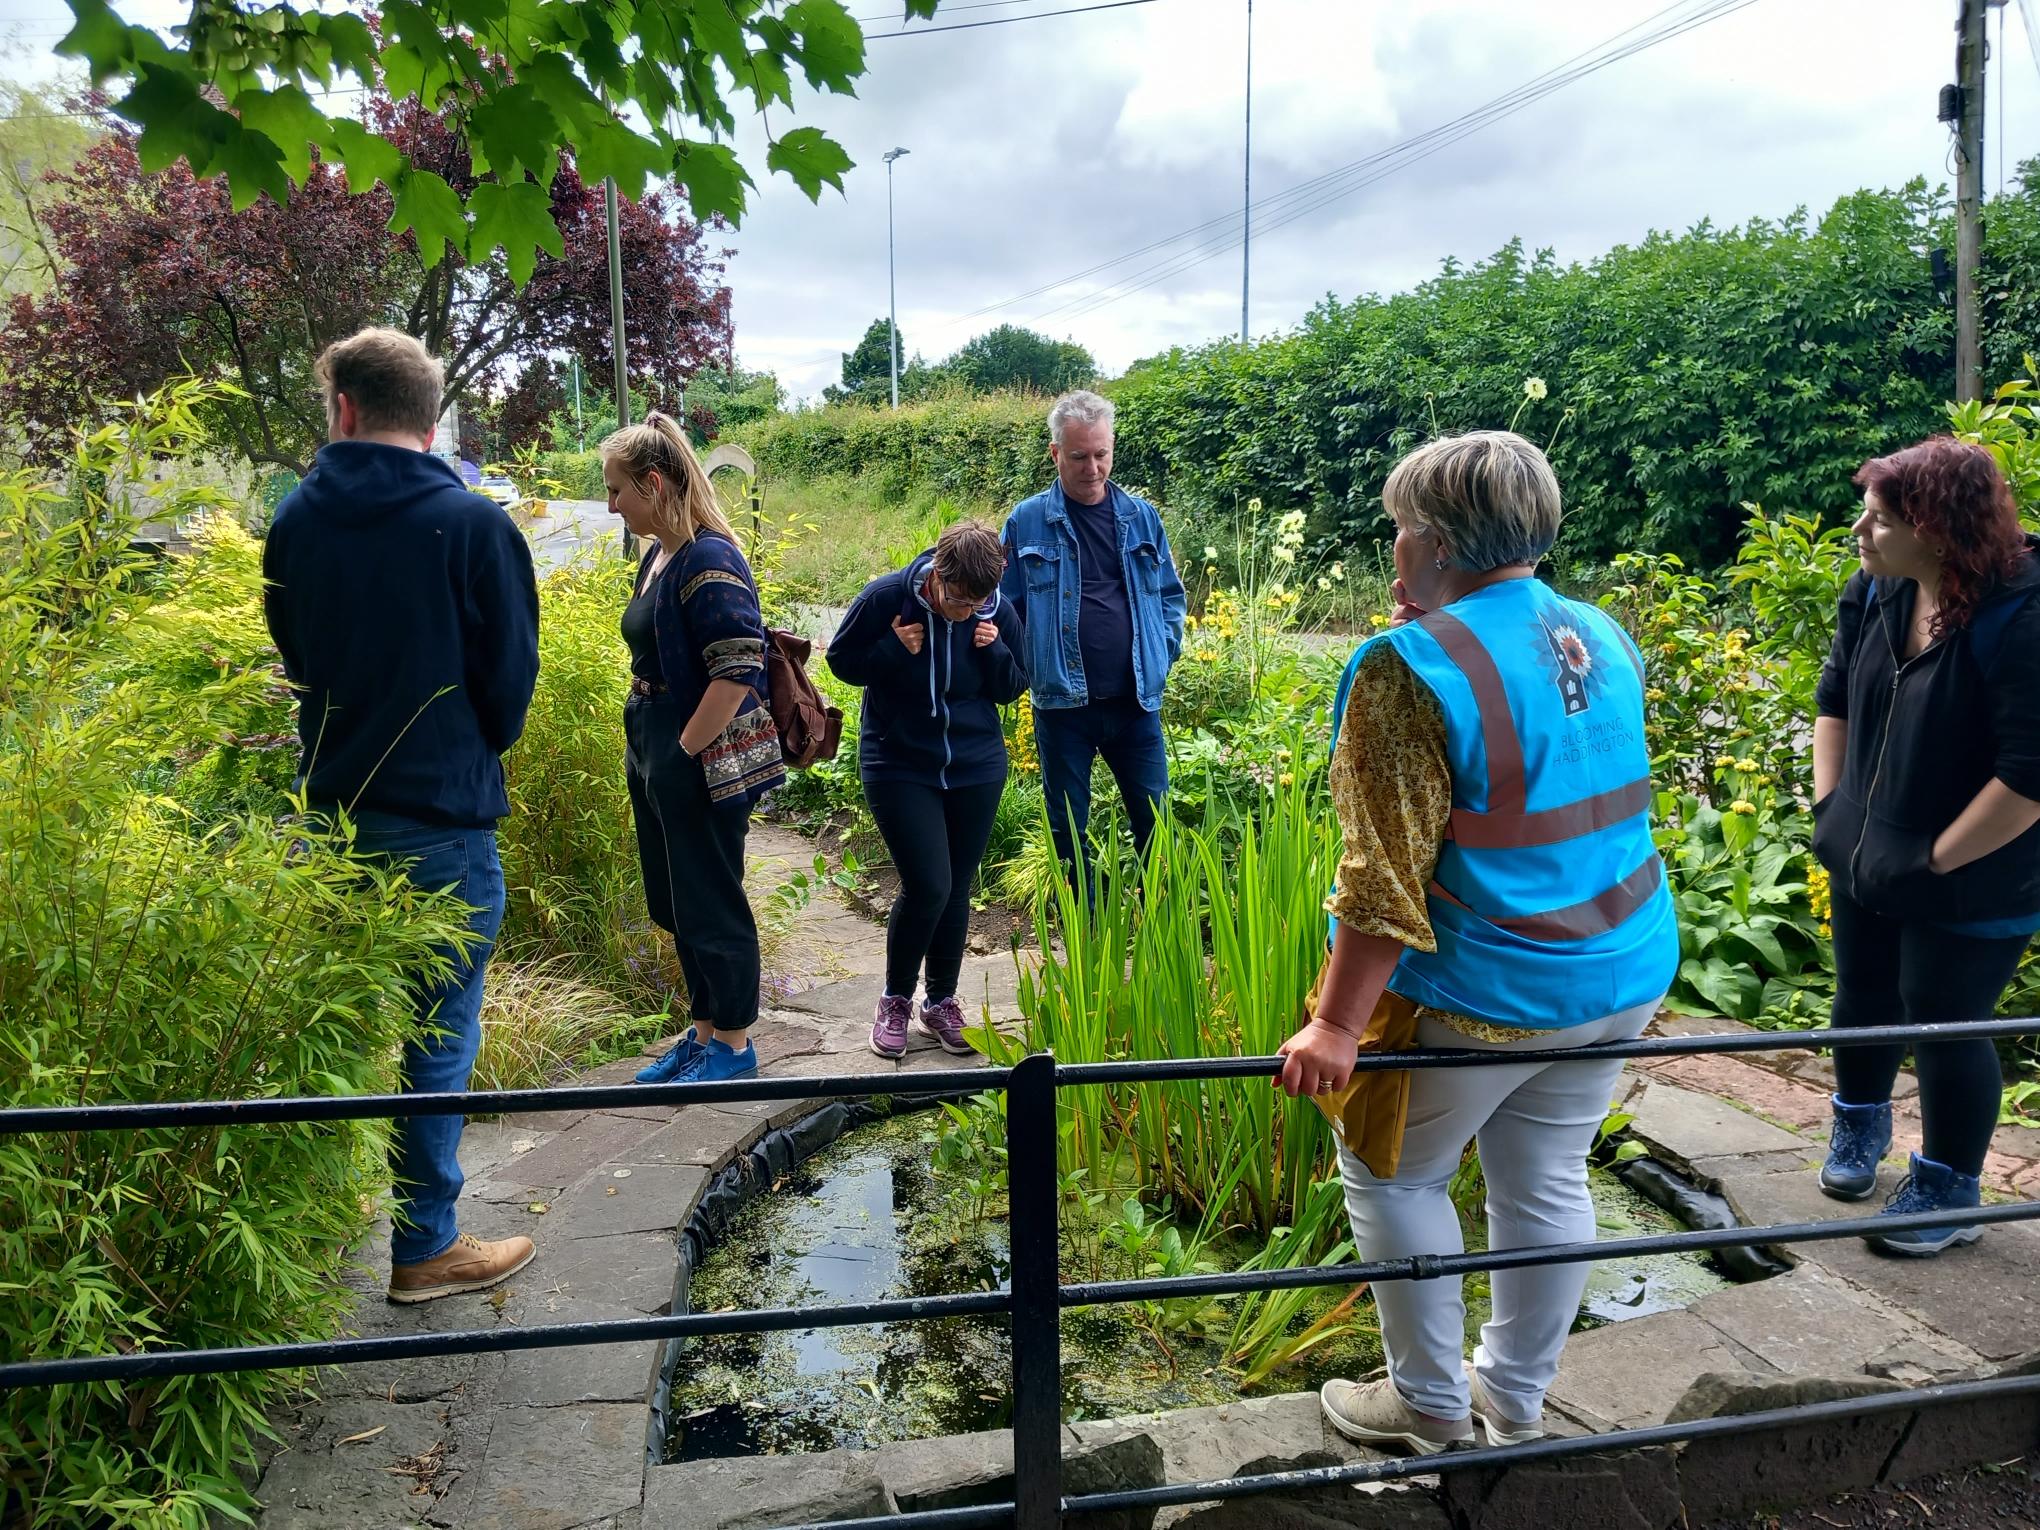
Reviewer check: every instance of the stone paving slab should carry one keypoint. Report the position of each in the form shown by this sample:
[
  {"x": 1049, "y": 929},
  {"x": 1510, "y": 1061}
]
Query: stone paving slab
[
  {"x": 1629, "y": 1375},
  {"x": 1985, "y": 1296},
  {"x": 1689, "y": 1130}
]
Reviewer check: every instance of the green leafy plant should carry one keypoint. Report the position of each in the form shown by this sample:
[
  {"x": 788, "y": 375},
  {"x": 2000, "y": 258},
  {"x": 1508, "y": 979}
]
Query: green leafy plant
[
  {"x": 240, "y": 93},
  {"x": 146, "y": 954}
]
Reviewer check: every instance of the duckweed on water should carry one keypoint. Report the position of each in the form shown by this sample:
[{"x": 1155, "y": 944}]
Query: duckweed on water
[{"x": 867, "y": 1219}]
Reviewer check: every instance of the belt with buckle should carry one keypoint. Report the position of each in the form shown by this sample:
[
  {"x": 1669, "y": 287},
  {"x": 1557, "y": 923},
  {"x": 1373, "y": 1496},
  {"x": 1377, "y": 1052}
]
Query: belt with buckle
[{"x": 640, "y": 687}]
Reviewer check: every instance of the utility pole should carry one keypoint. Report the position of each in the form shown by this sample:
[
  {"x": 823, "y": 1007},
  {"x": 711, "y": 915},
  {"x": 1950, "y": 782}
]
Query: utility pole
[
  {"x": 1247, "y": 188},
  {"x": 892, "y": 301},
  {"x": 1968, "y": 120},
  {"x": 616, "y": 330}
]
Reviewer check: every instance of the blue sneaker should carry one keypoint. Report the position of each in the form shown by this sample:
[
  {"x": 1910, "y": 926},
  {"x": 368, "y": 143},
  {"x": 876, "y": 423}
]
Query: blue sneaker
[
  {"x": 669, "y": 1067},
  {"x": 718, "y": 1061},
  {"x": 1929, "y": 1187},
  {"x": 1861, "y": 1136}
]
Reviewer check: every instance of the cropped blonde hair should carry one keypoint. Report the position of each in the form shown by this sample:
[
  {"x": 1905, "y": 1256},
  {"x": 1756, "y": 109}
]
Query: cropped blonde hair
[
  {"x": 394, "y": 381},
  {"x": 1490, "y": 494},
  {"x": 685, "y": 505}
]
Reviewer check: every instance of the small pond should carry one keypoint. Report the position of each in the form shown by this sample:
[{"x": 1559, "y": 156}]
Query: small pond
[{"x": 867, "y": 1219}]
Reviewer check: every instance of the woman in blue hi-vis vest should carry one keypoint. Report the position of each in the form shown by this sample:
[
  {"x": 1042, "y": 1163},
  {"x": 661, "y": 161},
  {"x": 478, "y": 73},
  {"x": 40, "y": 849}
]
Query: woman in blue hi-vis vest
[{"x": 1500, "y": 881}]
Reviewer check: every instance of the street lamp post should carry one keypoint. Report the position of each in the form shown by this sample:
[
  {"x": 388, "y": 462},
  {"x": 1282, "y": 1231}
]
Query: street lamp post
[{"x": 892, "y": 299}]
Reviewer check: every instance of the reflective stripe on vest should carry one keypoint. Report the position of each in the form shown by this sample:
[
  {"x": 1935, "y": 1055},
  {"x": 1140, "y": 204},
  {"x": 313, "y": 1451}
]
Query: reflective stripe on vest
[{"x": 1506, "y": 821}]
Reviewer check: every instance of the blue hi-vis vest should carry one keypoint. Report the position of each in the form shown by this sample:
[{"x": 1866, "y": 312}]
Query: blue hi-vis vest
[{"x": 1549, "y": 903}]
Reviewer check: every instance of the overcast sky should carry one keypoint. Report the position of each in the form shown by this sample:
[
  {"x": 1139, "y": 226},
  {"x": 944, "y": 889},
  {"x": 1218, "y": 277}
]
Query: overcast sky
[{"x": 1046, "y": 147}]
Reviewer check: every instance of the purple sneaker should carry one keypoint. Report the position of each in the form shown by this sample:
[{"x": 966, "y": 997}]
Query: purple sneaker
[
  {"x": 889, "y": 1025},
  {"x": 944, "y": 1021}
]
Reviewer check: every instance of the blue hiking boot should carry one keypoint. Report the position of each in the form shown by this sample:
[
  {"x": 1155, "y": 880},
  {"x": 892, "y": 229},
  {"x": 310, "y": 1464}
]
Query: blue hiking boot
[
  {"x": 1929, "y": 1187},
  {"x": 1861, "y": 1136},
  {"x": 718, "y": 1061},
  {"x": 669, "y": 1067}
]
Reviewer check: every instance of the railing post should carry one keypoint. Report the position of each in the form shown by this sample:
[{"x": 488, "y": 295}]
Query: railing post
[{"x": 1037, "y": 1294}]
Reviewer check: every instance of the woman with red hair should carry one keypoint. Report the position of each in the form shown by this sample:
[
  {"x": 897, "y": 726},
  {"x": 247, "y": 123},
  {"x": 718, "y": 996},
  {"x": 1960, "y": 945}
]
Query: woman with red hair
[{"x": 1926, "y": 770}]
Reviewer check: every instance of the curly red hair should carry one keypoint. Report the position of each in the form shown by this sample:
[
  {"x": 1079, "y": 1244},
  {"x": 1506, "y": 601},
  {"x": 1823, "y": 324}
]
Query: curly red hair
[{"x": 1952, "y": 494}]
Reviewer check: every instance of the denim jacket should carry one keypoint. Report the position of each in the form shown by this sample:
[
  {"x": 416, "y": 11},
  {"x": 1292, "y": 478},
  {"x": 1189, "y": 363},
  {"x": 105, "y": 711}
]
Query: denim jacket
[{"x": 1043, "y": 584}]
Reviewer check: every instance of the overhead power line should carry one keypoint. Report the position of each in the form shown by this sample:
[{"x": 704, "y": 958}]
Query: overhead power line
[
  {"x": 1215, "y": 236},
  {"x": 1005, "y": 21}
]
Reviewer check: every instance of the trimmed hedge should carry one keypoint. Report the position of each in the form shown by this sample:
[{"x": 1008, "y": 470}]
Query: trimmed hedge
[
  {"x": 1685, "y": 375},
  {"x": 993, "y": 448}
]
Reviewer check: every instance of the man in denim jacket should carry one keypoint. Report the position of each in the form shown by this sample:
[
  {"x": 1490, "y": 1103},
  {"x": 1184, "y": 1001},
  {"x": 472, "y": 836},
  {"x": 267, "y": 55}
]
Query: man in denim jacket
[{"x": 1089, "y": 571}]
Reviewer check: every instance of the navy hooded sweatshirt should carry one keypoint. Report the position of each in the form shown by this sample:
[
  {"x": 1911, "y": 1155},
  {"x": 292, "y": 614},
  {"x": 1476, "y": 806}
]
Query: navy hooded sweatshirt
[
  {"x": 930, "y": 718},
  {"x": 406, "y": 612}
]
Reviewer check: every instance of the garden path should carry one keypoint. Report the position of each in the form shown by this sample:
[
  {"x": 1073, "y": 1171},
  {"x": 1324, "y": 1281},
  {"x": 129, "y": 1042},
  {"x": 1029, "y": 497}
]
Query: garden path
[{"x": 556, "y": 1439}]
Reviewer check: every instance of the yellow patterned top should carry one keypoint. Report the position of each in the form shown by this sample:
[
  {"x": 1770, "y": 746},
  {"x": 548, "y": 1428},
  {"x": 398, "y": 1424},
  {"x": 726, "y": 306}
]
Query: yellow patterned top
[{"x": 1391, "y": 785}]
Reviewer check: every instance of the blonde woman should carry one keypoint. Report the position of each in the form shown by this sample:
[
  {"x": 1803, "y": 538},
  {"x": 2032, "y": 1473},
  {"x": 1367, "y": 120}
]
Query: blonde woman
[
  {"x": 700, "y": 745},
  {"x": 1499, "y": 877}
]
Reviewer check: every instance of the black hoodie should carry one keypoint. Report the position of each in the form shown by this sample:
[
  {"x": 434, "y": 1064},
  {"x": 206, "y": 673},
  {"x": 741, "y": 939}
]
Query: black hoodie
[
  {"x": 1926, "y": 734},
  {"x": 406, "y": 612},
  {"x": 931, "y": 717}
]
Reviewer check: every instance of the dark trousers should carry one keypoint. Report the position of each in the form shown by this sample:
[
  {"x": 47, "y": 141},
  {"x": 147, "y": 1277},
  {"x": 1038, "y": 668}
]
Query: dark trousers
[
  {"x": 936, "y": 839},
  {"x": 1129, "y": 739},
  {"x": 1898, "y": 972},
  {"x": 692, "y": 857}
]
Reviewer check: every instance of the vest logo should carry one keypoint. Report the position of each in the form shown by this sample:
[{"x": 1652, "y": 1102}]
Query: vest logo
[{"x": 1572, "y": 660}]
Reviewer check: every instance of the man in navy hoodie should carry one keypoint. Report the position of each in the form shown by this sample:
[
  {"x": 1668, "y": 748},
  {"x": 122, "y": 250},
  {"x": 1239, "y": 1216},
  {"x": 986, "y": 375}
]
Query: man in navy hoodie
[{"x": 406, "y": 612}]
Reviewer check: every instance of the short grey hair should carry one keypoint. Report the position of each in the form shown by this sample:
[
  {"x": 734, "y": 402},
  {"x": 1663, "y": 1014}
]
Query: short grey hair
[
  {"x": 1082, "y": 407},
  {"x": 1490, "y": 494}
]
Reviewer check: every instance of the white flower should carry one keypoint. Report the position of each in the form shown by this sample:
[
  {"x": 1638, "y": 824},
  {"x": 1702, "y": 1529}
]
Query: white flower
[
  {"x": 1533, "y": 387},
  {"x": 1254, "y": 505},
  {"x": 1292, "y": 522},
  {"x": 1323, "y": 583},
  {"x": 1283, "y": 554},
  {"x": 1210, "y": 554},
  {"x": 1338, "y": 571}
]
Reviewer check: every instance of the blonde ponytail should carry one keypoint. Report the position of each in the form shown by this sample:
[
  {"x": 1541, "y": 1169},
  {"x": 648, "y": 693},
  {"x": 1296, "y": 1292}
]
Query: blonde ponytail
[{"x": 684, "y": 505}]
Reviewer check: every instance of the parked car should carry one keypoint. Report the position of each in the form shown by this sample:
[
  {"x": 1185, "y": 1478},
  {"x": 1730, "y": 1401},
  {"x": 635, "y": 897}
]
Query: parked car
[{"x": 497, "y": 486}]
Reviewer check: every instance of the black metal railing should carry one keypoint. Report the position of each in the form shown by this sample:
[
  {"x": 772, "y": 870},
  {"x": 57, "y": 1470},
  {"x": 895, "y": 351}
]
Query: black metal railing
[{"x": 1037, "y": 1296}]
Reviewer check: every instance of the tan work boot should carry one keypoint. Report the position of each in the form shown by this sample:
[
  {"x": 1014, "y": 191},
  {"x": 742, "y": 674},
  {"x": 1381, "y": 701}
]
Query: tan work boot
[{"x": 468, "y": 1264}]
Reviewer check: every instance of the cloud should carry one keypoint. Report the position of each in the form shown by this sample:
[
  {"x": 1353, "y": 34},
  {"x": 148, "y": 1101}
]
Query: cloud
[{"x": 1041, "y": 149}]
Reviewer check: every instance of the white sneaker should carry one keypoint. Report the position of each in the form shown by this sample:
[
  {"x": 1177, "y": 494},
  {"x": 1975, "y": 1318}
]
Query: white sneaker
[{"x": 1497, "y": 1426}]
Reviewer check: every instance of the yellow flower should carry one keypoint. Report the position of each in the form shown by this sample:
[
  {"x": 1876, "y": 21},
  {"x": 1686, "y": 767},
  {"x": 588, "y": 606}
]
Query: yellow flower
[
  {"x": 1254, "y": 505},
  {"x": 1653, "y": 694},
  {"x": 1287, "y": 778},
  {"x": 1205, "y": 655},
  {"x": 1724, "y": 762},
  {"x": 1744, "y": 807},
  {"x": 1668, "y": 648},
  {"x": 1746, "y": 765},
  {"x": 1378, "y": 620}
]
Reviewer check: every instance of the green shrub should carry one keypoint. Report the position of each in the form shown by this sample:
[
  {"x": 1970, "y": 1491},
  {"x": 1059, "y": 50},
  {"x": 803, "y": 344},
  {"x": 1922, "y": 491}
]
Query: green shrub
[
  {"x": 146, "y": 957},
  {"x": 990, "y": 449}
]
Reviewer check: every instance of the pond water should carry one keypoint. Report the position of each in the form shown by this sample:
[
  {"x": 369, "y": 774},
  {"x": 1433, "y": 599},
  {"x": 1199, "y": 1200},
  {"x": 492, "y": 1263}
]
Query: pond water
[{"x": 866, "y": 1219}]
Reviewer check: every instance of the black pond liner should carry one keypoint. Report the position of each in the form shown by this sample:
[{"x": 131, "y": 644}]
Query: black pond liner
[
  {"x": 1702, "y": 1210},
  {"x": 782, "y": 1149},
  {"x": 750, "y": 1174}
]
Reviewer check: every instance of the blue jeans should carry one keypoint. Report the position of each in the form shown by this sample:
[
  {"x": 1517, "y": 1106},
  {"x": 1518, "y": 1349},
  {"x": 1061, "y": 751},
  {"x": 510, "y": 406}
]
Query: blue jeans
[
  {"x": 440, "y": 1055},
  {"x": 1129, "y": 739}
]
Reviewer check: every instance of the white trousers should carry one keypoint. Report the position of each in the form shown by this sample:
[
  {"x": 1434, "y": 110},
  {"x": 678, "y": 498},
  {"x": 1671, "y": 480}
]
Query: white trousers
[{"x": 1535, "y": 1122}]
